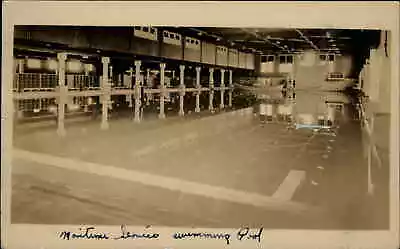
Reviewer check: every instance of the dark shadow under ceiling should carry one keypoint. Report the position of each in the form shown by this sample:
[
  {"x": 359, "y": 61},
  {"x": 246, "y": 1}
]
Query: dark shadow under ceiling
[{"x": 258, "y": 40}]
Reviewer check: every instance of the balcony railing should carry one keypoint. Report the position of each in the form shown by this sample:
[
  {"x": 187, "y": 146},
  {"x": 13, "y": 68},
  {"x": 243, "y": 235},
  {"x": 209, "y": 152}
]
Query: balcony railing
[
  {"x": 25, "y": 82},
  {"x": 335, "y": 77},
  {"x": 28, "y": 82}
]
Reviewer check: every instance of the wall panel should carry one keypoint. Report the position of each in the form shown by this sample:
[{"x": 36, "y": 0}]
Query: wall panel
[
  {"x": 242, "y": 60},
  {"x": 62, "y": 36},
  {"x": 171, "y": 51},
  {"x": 208, "y": 53},
  {"x": 20, "y": 33},
  {"x": 268, "y": 67},
  {"x": 192, "y": 50},
  {"x": 221, "y": 56},
  {"x": 73, "y": 37},
  {"x": 343, "y": 64},
  {"x": 144, "y": 46},
  {"x": 110, "y": 39},
  {"x": 285, "y": 68},
  {"x": 233, "y": 58},
  {"x": 250, "y": 61},
  {"x": 192, "y": 55}
]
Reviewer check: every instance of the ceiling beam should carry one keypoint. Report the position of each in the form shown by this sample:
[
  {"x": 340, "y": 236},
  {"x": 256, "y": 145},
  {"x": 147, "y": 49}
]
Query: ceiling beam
[
  {"x": 265, "y": 39},
  {"x": 307, "y": 40},
  {"x": 202, "y": 32}
]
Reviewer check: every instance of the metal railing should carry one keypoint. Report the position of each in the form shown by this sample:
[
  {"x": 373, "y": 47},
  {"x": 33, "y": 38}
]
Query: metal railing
[
  {"x": 24, "y": 82},
  {"x": 42, "y": 105},
  {"x": 335, "y": 76},
  {"x": 77, "y": 82},
  {"x": 37, "y": 94}
]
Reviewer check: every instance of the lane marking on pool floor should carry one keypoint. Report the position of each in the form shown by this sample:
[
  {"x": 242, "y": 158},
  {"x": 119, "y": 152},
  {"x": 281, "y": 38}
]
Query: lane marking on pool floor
[
  {"x": 289, "y": 185},
  {"x": 170, "y": 183}
]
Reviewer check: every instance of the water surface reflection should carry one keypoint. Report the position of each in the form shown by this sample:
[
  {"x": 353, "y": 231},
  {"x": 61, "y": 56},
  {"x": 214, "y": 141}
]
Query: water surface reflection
[
  {"x": 355, "y": 175},
  {"x": 305, "y": 109}
]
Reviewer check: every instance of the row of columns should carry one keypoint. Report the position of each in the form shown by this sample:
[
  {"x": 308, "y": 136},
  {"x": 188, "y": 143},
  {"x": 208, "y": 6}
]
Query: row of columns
[
  {"x": 198, "y": 86},
  {"x": 105, "y": 97}
]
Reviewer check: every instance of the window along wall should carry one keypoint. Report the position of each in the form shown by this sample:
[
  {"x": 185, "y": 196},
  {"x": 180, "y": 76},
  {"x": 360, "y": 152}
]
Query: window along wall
[
  {"x": 283, "y": 63},
  {"x": 172, "y": 38},
  {"x": 149, "y": 33},
  {"x": 286, "y": 63},
  {"x": 329, "y": 60},
  {"x": 267, "y": 64}
]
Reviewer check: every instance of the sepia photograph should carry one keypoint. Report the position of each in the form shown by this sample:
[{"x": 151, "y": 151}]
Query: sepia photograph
[{"x": 197, "y": 126}]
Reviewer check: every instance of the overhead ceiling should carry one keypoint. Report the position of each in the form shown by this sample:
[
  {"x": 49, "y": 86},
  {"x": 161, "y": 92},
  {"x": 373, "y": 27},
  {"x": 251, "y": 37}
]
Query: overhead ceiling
[
  {"x": 266, "y": 40},
  {"x": 272, "y": 40}
]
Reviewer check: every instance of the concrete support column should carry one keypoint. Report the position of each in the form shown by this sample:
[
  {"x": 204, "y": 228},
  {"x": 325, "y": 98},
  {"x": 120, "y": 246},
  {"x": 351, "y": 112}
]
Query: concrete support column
[
  {"x": 149, "y": 84},
  {"x": 330, "y": 115},
  {"x": 148, "y": 80},
  {"x": 289, "y": 110},
  {"x": 63, "y": 90},
  {"x": 120, "y": 79},
  {"x": 269, "y": 111},
  {"x": 15, "y": 66},
  {"x": 71, "y": 83},
  {"x": 21, "y": 65},
  {"x": 17, "y": 111},
  {"x": 222, "y": 105},
  {"x": 182, "y": 89},
  {"x": 86, "y": 84},
  {"x": 111, "y": 76},
  {"x": 231, "y": 88},
  {"x": 105, "y": 87},
  {"x": 211, "y": 99},
  {"x": 161, "y": 115},
  {"x": 130, "y": 87},
  {"x": 198, "y": 86},
  {"x": 137, "y": 91},
  {"x": 86, "y": 68},
  {"x": 289, "y": 80},
  {"x": 86, "y": 103}
]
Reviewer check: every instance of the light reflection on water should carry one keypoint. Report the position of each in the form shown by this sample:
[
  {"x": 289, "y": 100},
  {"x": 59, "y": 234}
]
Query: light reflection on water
[
  {"x": 325, "y": 112},
  {"x": 358, "y": 163},
  {"x": 305, "y": 108}
]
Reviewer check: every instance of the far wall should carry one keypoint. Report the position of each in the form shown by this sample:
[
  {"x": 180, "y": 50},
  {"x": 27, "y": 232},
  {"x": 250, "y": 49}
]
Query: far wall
[{"x": 307, "y": 68}]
